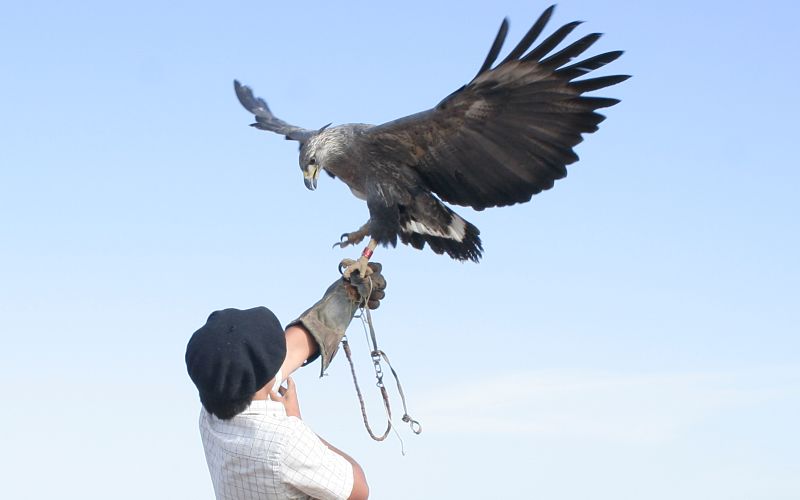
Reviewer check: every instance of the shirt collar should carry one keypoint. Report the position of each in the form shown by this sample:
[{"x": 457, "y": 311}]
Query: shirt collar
[{"x": 265, "y": 407}]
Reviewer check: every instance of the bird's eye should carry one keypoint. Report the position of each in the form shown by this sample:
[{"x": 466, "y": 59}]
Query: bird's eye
[{"x": 312, "y": 161}]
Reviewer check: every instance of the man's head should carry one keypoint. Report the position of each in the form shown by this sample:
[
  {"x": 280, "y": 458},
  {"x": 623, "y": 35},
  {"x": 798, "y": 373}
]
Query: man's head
[{"x": 232, "y": 356}]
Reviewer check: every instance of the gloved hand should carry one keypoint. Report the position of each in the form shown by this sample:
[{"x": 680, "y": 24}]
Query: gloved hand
[
  {"x": 328, "y": 319},
  {"x": 369, "y": 288}
]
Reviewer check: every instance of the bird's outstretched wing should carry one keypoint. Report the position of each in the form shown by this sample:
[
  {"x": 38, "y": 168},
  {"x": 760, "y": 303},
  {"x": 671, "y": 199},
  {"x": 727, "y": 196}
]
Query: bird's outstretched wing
[
  {"x": 265, "y": 120},
  {"x": 509, "y": 133}
]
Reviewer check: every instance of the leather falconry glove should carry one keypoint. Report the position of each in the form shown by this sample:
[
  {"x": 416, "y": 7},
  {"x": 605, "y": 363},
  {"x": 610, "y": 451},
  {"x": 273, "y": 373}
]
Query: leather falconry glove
[{"x": 328, "y": 319}]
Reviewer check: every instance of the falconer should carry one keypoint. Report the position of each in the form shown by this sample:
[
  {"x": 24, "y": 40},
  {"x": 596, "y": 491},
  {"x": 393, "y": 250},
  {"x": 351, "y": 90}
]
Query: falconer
[{"x": 255, "y": 441}]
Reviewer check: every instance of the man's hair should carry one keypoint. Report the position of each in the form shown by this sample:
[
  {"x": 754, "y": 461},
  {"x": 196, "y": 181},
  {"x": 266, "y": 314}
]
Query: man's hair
[{"x": 226, "y": 410}]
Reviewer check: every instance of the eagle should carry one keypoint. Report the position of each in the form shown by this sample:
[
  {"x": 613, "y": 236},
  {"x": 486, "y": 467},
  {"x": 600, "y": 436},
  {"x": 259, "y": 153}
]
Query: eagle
[{"x": 498, "y": 140}]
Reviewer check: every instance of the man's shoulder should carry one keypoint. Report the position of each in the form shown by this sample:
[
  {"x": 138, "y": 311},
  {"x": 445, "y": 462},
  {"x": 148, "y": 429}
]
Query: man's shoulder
[{"x": 242, "y": 433}]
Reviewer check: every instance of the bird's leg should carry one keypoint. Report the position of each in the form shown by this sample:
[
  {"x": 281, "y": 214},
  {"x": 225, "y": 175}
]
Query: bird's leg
[
  {"x": 353, "y": 238},
  {"x": 359, "y": 265}
]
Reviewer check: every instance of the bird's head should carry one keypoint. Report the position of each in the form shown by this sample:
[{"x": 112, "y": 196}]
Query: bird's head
[
  {"x": 309, "y": 165},
  {"x": 314, "y": 154}
]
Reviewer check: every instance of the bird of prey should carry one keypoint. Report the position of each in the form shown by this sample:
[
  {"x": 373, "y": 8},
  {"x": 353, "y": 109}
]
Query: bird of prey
[{"x": 498, "y": 140}]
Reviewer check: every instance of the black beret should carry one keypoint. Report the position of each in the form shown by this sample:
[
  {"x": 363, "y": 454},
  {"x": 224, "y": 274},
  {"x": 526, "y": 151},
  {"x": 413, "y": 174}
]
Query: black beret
[{"x": 235, "y": 353}]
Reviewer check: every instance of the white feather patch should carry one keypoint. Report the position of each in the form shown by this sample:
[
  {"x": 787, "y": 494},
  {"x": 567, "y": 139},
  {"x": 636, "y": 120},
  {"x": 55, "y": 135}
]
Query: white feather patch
[{"x": 455, "y": 231}]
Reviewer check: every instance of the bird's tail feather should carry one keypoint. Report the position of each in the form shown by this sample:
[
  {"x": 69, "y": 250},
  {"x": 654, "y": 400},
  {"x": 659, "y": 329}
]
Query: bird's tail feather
[{"x": 458, "y": 238}]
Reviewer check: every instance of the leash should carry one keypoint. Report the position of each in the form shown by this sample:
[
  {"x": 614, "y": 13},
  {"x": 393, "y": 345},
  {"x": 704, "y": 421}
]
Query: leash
[{"x": 377, "y": 355}]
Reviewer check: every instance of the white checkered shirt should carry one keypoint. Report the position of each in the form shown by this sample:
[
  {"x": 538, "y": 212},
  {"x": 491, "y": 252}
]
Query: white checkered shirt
[{"x": 264, "y": 454}]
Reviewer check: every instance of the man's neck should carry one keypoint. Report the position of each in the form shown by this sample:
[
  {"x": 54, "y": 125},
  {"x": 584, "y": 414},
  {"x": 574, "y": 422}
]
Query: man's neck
[{"x": 263, "y": 393}]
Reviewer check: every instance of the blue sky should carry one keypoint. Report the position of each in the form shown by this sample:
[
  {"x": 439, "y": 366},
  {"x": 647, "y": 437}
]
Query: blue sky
[{"x": 630, "y": 334}]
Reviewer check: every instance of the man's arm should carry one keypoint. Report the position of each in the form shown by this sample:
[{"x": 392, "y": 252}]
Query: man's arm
[
  {"x": 327, "y": 320},
  {"x": 300, "y": 346},
  {"x": 288, "y": 396},
  {"x": 360, "y": 486}
]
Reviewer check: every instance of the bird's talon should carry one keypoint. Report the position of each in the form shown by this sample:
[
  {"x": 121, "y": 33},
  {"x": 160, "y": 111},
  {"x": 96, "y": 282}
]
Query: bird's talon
[
  {"x": 343, "y": 241},
  {"x": 350, "y": 266},
  {"x": 350, "y": 239},
  {"x": 346, "y": 264}
]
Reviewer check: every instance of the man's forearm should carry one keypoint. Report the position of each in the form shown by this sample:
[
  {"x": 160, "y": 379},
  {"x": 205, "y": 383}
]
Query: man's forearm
[{"x": 300, "y": 346}]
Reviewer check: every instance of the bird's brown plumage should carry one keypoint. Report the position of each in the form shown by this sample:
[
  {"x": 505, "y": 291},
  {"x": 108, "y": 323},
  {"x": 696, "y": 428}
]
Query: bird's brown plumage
[{"x": 500, "y": 139}]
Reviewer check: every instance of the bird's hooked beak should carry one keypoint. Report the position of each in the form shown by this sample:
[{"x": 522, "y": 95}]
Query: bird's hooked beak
[{"x": 310, "y": 177}]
